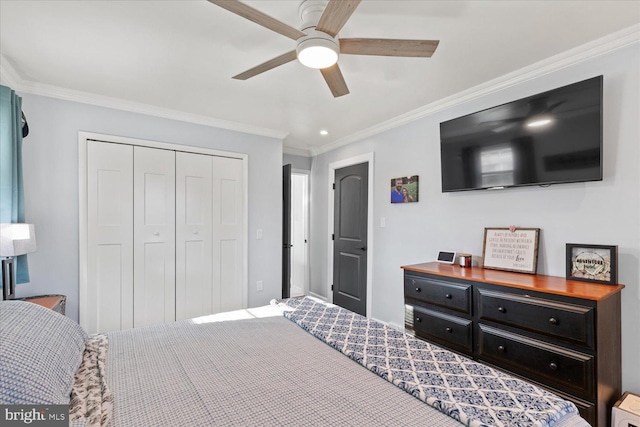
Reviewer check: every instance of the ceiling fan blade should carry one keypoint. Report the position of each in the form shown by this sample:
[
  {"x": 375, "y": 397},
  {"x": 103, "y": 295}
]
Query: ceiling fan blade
[
  {"x": 272, "y": 63},
  {"x": 333, "y": 76},
  {"x": 335, "y": 15},
  {"x": 388, "y": 47},
  {"x": 259, "y": 18}
]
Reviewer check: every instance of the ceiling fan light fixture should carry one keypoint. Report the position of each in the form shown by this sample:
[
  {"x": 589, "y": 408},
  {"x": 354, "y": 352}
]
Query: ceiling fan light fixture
[
  {"x": 539, "y": 121},
  {"x": 317, "y": 52}
]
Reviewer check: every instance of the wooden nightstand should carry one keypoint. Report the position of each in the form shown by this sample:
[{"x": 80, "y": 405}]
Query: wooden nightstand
[{"x": 54, "y": 302}]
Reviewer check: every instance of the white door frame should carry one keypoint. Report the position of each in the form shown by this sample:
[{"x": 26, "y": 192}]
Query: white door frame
[
  {"x": 83, "y": 137},
  {"x": 367, "y": 157}
]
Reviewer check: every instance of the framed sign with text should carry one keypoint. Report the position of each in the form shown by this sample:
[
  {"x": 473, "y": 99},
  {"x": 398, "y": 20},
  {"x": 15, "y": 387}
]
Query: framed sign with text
[
  {"x": 517, "y": 250},
  {"x": 592, "y": 263}
]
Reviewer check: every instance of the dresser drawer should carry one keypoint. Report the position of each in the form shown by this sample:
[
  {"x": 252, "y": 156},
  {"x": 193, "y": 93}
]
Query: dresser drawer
[
  {"x": 565, "y": 321},
  {"x": 452, "y": 296},
  {"x": 454, "y": 332},
  {"x": 564, "y": 369}
]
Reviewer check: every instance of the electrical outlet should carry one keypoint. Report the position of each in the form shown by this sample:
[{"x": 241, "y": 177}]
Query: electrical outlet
[{"x": 259, "y": 285}]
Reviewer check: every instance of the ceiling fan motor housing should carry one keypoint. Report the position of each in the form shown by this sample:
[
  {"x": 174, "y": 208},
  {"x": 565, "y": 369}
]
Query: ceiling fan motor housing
[{"x": 310, "y": 12}]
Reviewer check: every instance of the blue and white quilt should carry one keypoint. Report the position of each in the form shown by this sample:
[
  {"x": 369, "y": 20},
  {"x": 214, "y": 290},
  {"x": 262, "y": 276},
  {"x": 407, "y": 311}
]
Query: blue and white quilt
[{"x": 468, "y": 391}]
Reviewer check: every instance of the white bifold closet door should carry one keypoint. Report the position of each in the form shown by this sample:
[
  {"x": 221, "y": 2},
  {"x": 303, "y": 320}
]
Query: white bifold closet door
[
  {"x": 154, "y": 236},
  {"x": 109, "y": 265},
  {"x": 228, "y": 197},
  {"x": 194, "y": 236},
  {"x": 209, "y": 198},
  {"x": 164, "y": 236}
]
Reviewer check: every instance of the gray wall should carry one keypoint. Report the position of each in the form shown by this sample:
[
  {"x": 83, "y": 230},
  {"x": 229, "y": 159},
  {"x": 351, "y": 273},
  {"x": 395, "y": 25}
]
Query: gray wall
[
  {"x": 606, "y": 212},
  {"x": 51, "y": 188},
  {"x": 297, "y": 162}
]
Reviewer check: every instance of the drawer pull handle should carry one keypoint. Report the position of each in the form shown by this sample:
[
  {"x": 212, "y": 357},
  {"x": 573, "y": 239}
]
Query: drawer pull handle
[
  {"x": 553, "y": 321},
  {"x": 501, "y": 309},
  {"x": 501, "y": 348},
  {"x": 553, "y": 366},
  {"x": 418, "y": 289},
  {"x": 418, "y": 319},
  {"x": 447, "y": 296},
  {"x": 449, "y": 330}
]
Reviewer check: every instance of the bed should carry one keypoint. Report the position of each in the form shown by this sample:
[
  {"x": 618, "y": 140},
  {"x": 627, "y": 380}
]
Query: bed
[{"x": 295, "y": 362}]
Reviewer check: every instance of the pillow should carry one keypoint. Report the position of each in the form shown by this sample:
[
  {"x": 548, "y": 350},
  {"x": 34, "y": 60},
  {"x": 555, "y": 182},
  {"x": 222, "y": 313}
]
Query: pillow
[{"x": 40, "y": 352}]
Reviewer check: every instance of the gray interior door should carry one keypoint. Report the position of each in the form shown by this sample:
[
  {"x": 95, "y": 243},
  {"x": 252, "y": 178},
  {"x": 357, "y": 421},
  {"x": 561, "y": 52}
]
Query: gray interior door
[
  {"x": 286, "y": 230},
  {"x": 350, "y": 237}
]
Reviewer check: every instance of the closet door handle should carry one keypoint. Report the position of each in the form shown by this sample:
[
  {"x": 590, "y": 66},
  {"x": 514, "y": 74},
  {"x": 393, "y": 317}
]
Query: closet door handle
[
  {"x": 195, "y": 233},
  {"x": 156, "y": 233}
]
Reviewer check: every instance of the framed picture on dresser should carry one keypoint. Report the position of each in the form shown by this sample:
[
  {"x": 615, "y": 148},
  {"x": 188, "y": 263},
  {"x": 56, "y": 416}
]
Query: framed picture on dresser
[{"x": 592, "y": 263}]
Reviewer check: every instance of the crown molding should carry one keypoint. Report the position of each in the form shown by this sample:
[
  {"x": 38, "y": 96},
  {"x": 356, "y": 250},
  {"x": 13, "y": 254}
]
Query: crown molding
[
  {"x": 595, "y": 48},
  {"x": 8, "y": 75},
  {"x": 11, "y": 78},
  {"x": 305, "y": 152}
]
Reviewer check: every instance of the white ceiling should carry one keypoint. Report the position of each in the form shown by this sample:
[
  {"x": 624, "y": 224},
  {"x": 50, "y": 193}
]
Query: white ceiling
[{"x": 176, "y": 58}]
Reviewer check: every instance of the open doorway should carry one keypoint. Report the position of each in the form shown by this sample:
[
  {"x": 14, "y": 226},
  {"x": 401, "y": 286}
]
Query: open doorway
[{"x": 299, "y": 281}]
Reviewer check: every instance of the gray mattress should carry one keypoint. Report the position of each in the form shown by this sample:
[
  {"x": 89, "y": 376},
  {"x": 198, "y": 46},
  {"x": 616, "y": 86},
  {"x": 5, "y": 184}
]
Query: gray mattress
[{"x": 259, "y": 371}]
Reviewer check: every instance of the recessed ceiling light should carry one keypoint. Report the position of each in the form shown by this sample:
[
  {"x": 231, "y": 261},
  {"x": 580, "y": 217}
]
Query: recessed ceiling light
[{"x": 324, "y": 132}]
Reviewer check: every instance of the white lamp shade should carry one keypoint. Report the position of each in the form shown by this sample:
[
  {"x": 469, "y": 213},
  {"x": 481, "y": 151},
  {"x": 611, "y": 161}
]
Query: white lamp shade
[{"x": 17, "y": 239}]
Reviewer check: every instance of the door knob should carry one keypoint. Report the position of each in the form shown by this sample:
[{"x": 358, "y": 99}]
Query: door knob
[{"x": 364, "y": 248}]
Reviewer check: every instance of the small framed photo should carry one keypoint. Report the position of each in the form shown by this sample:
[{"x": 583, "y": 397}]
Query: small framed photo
[
  {"x": 404, "y": 189},
  {"x": 511, "y": 249},
  {"x": 592, "y": 263}
]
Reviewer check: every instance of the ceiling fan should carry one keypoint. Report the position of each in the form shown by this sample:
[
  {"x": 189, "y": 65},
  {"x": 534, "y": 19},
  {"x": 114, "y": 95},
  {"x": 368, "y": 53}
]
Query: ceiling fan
[{"x": 316, "y": 43}]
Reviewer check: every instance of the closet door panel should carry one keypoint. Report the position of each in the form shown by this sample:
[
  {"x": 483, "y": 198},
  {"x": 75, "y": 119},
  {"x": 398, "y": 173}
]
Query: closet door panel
[
  {"x": 109, "y": 238},
  {"x": 154, "y": 236},
  {"x": 194, "y": 295},
  {"x": 227, "y": 261}
]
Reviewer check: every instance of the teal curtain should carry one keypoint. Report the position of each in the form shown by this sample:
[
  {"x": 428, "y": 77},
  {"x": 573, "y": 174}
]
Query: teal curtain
[{"x": 11, "y": 188}]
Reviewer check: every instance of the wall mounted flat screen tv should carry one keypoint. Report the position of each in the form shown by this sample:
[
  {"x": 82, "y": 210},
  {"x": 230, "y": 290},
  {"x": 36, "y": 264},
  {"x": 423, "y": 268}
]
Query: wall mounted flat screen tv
[{"x": 549, "y": 138}]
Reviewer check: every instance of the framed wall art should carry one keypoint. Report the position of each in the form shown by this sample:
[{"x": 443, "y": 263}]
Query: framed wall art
[
  {"x": 592, "y": 263},
  {"x": 511, "y": 249},
  {"x": 404, "y": 189}
]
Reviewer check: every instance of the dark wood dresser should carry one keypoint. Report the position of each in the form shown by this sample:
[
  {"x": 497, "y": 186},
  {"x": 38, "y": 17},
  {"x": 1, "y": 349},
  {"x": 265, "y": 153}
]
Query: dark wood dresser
[{"x": 561, "y": 334}]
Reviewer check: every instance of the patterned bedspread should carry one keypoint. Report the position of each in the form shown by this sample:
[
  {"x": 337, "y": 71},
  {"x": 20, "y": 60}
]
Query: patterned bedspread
[{"x": 468, "y": 391}]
